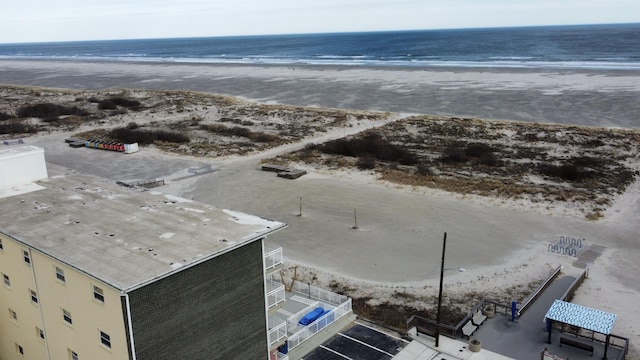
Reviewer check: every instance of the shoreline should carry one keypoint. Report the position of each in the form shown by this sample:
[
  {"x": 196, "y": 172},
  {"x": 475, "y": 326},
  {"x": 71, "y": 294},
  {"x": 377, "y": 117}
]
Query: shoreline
[
  {"x": 302, "y": 65},
  {"x": 604, "y": 98}
]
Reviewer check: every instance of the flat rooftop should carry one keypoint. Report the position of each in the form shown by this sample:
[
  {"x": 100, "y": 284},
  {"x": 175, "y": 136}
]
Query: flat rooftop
[
  {"x": 124, "y": 237},
  {"x": 13, "y": 150}
]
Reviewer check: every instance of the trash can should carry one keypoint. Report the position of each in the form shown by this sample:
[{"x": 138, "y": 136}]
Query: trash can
[{"x": 474, "y": 345}]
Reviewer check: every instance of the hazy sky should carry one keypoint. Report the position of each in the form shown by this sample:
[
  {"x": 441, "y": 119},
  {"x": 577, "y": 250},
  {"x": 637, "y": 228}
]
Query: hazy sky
[{"x": 63, "y": 20}]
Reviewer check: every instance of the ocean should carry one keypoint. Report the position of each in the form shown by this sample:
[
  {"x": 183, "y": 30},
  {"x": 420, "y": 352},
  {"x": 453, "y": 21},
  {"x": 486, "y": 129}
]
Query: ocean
[{"x": 570, "y": 47}]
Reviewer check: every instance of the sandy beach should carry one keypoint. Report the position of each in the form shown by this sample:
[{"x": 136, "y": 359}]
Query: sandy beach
[
  {"x": 397, "y": 244},
  {"x": 585, "y": 97}
]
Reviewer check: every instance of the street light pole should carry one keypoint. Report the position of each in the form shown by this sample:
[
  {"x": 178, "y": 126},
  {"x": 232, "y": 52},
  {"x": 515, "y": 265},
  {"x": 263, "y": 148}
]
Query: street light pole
[{"x": 444, "y": 246}]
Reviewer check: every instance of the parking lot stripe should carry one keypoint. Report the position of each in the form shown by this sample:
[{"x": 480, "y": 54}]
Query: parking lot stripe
[
  {"x": 335, "y": 352},
  {"x": 364, "y": 343}
]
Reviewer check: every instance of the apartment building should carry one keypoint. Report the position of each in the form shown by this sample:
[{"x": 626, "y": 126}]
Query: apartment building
[{"x": 94, "y": 270}]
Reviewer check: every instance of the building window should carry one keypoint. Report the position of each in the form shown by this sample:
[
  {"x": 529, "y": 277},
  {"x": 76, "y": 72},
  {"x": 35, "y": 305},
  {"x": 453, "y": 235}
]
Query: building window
[
  {"x": 13, "y": 315},
  {"x": 73, "y": 355},
  {"x": 60, "y": 274},
  {"x": 105, "y": 339},
  {"x": 67, "y": 316},
  {"x": 40, "y": 333},
  {"x": 34, "y": 296},
  {"x": 98, "y": 294},
  {"x": 27, "y": 259},
  {"x": 7, "y": 281},
  {"x": 20, "y": 350}
]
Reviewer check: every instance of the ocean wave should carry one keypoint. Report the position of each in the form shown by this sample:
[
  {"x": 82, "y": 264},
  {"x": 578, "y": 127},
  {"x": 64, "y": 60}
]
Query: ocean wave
[
  {"x": 573, "y": 47},
  {"x": 520, "y": 58},
  {"x": 329, "y": 60}
]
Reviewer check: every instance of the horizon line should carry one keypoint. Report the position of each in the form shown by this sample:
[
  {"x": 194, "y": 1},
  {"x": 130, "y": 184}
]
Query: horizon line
[{"x": 315, "y": 33}]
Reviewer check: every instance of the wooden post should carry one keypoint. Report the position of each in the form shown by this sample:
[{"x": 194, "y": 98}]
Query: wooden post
[
  {"x": 355, "y": 219},
  {"x": 300, "y": 213}
]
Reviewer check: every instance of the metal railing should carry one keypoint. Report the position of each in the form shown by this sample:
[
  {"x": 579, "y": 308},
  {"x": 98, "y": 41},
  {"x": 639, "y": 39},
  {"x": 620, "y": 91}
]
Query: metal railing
[
  {"x": 278, "y": 332},
  {"x": 146, "y": 183},
  {"x": 428, "y": 326},
  {"x": 308, "y": 331},
  {"x": 340, "y": 306},
  {"x": 312, "y": 292},
  {"x": 273, "y": 256},
  {"x": 499, "y": 307},
  {"x": 568, "y": 295},
  {"x": 531, "y": 298},
  {"x": 620, "y": 342},
  {"x": 275, "y": 293},
  {"x": 292, "y": 321}
]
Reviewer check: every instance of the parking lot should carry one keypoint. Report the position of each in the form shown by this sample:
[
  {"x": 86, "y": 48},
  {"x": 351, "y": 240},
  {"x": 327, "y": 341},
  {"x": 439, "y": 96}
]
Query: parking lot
[{"x": 359, "y": 342}]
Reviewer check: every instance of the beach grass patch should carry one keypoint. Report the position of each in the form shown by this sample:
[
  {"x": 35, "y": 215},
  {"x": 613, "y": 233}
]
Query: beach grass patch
[
  {"x": 510, "y": 160},
  {"x": 5, "y": 116},
  {"x": 16, "y": 127},
  {"x": 49, "y": 111}
]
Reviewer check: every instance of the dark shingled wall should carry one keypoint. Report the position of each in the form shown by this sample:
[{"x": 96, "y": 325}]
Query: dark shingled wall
[{"x": 214, "y": 310}]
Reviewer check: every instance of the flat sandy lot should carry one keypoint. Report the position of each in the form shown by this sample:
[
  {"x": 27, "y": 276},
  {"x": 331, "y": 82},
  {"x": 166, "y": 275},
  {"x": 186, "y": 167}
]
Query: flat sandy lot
[{"x": 398, "y": 242}]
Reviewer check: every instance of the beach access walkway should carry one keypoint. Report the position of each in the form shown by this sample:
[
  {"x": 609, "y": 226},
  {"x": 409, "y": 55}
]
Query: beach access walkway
[
  {"x": 526, "y": 338},
  {"x": 522, "y": 339}
]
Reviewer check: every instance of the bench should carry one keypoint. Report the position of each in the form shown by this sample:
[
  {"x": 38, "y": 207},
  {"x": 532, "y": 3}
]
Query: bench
[
  {"x": 576, "y": 343},
  {"x": 292, "y": 173},
  {"x": 478, "y": 318},
  {"x": 468, "y": 329},
  {"x": 274, "y": 168}
]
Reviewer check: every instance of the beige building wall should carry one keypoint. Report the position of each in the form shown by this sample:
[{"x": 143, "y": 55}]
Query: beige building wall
[
  {"x": 16, "y": 298},
  {"x": 56, "y": 299}
]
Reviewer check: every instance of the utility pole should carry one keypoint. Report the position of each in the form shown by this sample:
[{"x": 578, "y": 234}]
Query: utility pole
[{"x": 444, "y": 246}]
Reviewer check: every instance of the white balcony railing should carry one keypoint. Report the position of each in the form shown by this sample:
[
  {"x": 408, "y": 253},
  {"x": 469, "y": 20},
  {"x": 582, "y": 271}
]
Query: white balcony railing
[
  {"x": 316, "y": 293},
  {"x": 278, "y": 332},
  {"x": 308, "y": 331},
  {"x": 292, "y": 321},
  {"x": 272, "y": 256},
  {"x": 275, "y": 293},
  {"x": 279, "y": 329}
]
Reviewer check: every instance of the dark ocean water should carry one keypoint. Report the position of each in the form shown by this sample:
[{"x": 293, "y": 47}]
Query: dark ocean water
[{"x": 584, "y": 46}]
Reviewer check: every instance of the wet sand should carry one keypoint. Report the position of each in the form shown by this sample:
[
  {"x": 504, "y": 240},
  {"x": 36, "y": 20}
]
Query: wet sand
[{"x": 585, "y": 97}]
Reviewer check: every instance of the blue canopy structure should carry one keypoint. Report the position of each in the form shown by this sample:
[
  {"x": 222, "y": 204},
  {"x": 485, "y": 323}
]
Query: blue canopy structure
[{"x": 581, "y": 316}]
